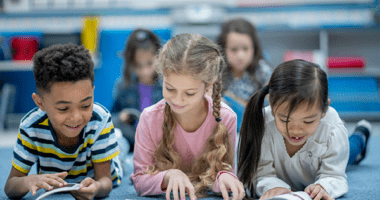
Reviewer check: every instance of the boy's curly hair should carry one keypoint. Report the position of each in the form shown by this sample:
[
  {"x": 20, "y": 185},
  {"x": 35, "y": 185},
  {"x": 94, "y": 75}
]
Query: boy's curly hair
[{"x": 62, "y": 63}]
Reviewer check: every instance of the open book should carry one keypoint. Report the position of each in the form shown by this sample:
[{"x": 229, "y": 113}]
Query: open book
[
  {"x": 292, "y": 196},
  {"x": 68, "y": 187}
]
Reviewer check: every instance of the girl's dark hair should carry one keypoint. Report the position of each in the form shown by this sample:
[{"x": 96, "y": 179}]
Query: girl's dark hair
[
  {"x": 242, "y": 26},
  {"x": 62, "y": 63},
  {"x": 297, "y": 82},
  {"x": 139, "y": 39}
]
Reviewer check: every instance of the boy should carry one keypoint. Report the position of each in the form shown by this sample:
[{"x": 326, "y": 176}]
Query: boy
[{"x": 70, "y": 137}]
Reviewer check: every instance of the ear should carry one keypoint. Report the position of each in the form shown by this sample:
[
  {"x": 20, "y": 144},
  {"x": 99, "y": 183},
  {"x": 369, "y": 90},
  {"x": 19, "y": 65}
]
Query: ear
[
  {"x": 328, "y": 104},
  {"x": 38, "y": 101}
]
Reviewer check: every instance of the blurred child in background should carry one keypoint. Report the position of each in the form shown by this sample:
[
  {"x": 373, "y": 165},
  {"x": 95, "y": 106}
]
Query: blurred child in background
[
  {"x": 247, "y": 71},
  {"x": 139, "y": 87}
]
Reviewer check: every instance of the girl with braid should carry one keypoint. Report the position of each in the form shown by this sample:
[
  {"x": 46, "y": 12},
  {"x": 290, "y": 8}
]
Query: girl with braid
[{"x": 186, "y": 142}]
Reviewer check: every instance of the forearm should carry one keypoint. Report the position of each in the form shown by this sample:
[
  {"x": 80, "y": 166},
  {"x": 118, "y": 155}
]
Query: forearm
[
  {"x": 146, "y": 184},
  {"x": 16, "y": 187},
  {"x": 104, "y": 187}
]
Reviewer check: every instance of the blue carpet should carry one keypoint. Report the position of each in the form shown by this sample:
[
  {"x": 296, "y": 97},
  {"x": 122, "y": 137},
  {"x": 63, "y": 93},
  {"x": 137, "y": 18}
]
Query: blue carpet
[{"x": 363, "y": 179}]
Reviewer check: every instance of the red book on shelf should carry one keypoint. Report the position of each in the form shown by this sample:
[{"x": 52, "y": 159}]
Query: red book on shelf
[
  {"x": 345, "y": 62},
  {"x": 24, "y": 47}
]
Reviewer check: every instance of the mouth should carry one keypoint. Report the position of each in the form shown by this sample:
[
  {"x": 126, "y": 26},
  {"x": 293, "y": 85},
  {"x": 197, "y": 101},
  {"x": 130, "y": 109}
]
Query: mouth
[
  {"x": 177, "y": 107},
  {"x": 74, "y": 127},
  {"x": 296, "y": 139}
]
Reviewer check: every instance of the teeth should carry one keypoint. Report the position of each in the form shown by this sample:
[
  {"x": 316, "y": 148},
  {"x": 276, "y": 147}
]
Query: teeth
[
  {"x": 71, "y": 126},
  {"x": 297, "y": 138}
]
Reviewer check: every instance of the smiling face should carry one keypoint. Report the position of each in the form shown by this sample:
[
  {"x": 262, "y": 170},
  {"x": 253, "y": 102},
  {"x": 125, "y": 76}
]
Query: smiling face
[
  {"x": 183, "y": 93},
  {"x": 239, "y": 52},
  {"x": 303, "y": 123},
  {"x": 69, "y": 106}
]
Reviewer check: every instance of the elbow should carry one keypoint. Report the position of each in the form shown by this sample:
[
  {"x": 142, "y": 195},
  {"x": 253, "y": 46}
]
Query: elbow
[{"x": 11, "y": 194}]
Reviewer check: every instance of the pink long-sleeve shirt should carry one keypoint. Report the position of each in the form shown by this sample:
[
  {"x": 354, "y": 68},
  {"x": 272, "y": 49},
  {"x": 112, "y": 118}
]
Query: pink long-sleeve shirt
[{"x": 188, "y": 144}]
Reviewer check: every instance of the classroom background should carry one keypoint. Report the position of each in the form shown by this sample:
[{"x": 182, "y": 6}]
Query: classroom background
[{"x": 342, "y": 36}]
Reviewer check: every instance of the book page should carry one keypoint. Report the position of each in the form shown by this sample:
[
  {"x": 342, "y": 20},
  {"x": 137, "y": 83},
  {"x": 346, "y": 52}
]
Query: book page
[
  {"x": 292, "y": 196},
  {"x": 68, "y": 187}
]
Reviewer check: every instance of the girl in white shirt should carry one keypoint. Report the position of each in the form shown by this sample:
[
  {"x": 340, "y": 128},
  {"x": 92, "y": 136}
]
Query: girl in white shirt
[{"x": 298, "y": 142}]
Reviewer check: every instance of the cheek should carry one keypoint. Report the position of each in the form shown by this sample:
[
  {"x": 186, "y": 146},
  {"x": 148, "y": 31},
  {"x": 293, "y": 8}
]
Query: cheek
[{"x": 281, "y": 127}]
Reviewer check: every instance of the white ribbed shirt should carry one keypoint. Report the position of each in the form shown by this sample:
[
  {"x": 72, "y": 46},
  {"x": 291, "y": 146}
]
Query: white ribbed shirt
[{"x": 322, "y": 160}]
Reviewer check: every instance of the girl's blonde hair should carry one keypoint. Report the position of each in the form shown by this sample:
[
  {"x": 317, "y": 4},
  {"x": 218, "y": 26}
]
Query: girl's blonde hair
[{"x": 201, "y": 58}]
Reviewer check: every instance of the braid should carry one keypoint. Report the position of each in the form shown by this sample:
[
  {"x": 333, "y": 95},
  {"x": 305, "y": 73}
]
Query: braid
[
  {"x": 218, "y": 153},
  {"x": 165, "y": 156}
]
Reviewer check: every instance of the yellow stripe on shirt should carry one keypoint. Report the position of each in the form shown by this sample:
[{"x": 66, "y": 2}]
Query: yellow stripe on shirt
[
  {"x": 20, "y": 168},
  {"x": 107, "y": 130},
  {"x": 106, "y": 158}
]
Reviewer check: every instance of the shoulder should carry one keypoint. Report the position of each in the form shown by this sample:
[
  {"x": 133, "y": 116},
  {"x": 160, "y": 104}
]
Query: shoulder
[
  {"x": 100, "y": 114},
  {"x": 153, "y": 113},
  {"x": 331, "y": 128},
  {"x": 34, "y": 116},
  {"x": 225, "y": 110},
  {"x": 270, "y": 124}
]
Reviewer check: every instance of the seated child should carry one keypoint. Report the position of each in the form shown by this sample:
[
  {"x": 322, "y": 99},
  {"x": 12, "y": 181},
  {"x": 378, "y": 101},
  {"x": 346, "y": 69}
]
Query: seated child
[
  {"x": 247, "y": 70},
  {"x": 68, "y": 136},
  {"x": 139, "y": 87},
  {"x": 298, "y": 142}
]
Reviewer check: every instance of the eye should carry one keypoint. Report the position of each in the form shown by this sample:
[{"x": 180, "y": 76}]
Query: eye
[
  {"x": 86, "y": 106},
  {"x": 309, "y": 122},
  {"x": 169, "y": 89},
  {"x": 190, "y": 94},
  {"x": 285, "y": 121},
  {"x": 234, "y": 49},
  {"x": 62, "y": 110}
]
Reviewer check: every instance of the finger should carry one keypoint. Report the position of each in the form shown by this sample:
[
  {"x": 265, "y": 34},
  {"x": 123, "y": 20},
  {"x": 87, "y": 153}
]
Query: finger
[
  {"x": 44, "y": 185},
  {"x": 307, "y": 190},
  {"x": 314, "y": 192},
  {"x": 182, "y": 191},
  {"x": 241, "y": 190},
  {"x": 54, "y": 182},
  {"x": 168, "y": 190},
  {"x": 175, "y": 190},
  {"x": 62, "y": 174},
  {"x": 319, "y": 196},
  {"x": 224, "y": 191},
  {"x": 86, "y": 182},
  {"x": 33, "y": 189},
  {"x": 235, "y": 192},
  {"x": 191, "y": 191}
]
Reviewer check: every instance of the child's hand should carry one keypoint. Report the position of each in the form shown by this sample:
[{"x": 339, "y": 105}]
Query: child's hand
[
  {"x": 87, "y": 189},
  {"x": 45, "y": 181},
  {"x": 317, "y": 192},
  {"x": 228, "y": 182},
  {"x": 274, "y": 192},
  {"x": 124, "y": 116},
  {"x": 176, "y": 180}
]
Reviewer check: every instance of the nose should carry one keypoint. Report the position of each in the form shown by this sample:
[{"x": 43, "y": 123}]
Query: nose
[
  {"x": 177, "y": 98},
  {"x": 240, "y": 54},
  {"x": 295, "y": 130},
  {"x": 75, "y": 115}
]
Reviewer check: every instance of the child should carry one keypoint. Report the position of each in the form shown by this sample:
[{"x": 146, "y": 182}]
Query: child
[
  {"x": 139, "y": 87},
  {"x": 185, "y": 142},
  {"x": 70, "y": 137},
  {"x": 247, "y": 71},
  {"x": 298, "y": 142}
]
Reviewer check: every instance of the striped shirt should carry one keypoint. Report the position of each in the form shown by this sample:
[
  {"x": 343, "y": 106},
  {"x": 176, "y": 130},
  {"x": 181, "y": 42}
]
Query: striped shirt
[{"x": 37, "y": 143}]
